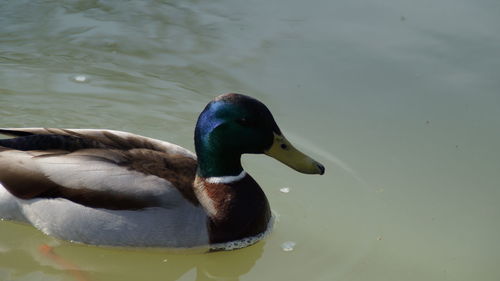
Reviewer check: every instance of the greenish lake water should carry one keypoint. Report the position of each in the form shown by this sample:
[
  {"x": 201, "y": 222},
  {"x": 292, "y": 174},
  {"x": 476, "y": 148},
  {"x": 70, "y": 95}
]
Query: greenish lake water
[{"x": 400, "y": 100}]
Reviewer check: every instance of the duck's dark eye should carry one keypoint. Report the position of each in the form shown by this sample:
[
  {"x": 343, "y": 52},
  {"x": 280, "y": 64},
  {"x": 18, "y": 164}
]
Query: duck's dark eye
[{"x": 245, "y": 122}]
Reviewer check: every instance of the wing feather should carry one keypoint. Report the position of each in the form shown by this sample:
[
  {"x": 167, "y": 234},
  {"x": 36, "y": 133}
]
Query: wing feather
[
  {"x": 110, "y": 138},
  {"x": 91, "y": 163}
]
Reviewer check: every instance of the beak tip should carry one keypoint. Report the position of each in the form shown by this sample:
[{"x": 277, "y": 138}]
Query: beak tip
[{"x": 321, "y": 168}]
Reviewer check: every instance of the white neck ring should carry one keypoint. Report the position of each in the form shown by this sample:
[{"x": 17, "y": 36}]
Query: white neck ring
[{"x": 226, "y": 179}]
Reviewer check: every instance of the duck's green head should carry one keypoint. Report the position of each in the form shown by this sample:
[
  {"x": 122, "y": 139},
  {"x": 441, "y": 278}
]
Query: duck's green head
[{"x": 233, "y": 124}]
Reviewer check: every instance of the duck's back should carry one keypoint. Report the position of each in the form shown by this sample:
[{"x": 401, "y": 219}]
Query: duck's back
[{"x": 101, "y": 187}]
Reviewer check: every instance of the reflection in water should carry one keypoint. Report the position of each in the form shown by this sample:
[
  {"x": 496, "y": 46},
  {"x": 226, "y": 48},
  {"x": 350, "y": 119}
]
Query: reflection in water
[
  {"x": 96, "y": 263},
  {"x": 217, "y": 266}
]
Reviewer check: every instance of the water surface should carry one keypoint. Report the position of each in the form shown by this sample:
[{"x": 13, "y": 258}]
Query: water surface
[{"x": 399, "y": 99}]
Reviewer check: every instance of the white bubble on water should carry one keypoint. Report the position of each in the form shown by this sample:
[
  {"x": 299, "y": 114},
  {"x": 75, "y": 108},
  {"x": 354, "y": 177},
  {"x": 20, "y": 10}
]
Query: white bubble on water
[
  {"x": 285, "y": 189},
  {"x": 288, "y": 246},
  {"x": 80, "y": 78}
]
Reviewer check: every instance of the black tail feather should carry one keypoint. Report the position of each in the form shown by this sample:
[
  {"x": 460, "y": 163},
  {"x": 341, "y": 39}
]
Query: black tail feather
[{"x": 15, "y": 133}]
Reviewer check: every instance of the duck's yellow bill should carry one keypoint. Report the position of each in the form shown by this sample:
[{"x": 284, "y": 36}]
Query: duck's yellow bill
[{"x": 283, "y": 151}]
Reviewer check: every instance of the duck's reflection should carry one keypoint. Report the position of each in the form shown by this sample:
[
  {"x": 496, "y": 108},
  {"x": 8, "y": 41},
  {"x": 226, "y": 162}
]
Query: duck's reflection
[
  {"x": 229, "y": 265},
  {"x": 158, "y": 265},
  {"x": 124, "y": 264}
]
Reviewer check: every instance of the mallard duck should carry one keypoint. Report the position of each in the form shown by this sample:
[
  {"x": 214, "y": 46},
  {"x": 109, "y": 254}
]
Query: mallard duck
[{"x": 114, "y": 188}]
